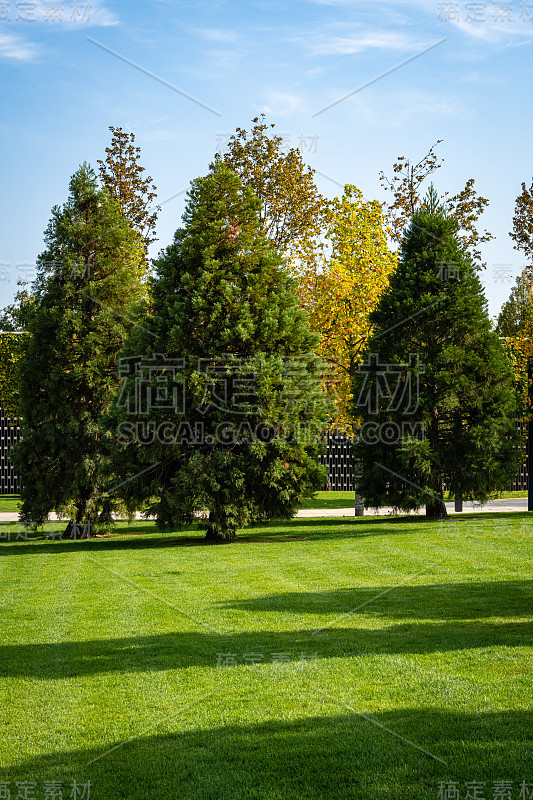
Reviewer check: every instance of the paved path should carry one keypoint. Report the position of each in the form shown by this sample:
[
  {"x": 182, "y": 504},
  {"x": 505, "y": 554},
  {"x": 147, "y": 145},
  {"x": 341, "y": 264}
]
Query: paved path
[{"x": 513, "y": 504}]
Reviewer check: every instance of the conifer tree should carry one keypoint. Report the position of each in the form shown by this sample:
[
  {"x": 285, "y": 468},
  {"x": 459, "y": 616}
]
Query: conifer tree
[
  {"x": 89, "y": 280},
  {"x": 220, "y": 405},
  {"x": 436, "y": 399}
]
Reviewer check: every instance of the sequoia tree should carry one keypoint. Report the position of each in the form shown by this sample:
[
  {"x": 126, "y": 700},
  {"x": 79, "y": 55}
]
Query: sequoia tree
[
  {"x": 435, "y": 397},
  {"x": 88, "y": 282},
  {"x": 220, "y": 405}
]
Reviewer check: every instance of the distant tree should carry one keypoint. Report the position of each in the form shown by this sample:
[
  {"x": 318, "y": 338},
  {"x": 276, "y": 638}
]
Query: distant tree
[
  {"x": 515, "y": 325},
  {"x": 292, "y": 209},
  {"x": 515, "y": 321},
  {"x": 342, "y": 288},
  {"x": 122, "y": 175},
  {"x": 465, "y": 206},
  {"x": 522, "y": 232},
  {"x": 221, "y": 379},
  {"x": 516, "y": 316},
  {"x": 14, "y": 316},
  {"x": 436, "y": 399},
  {"x": 337, "y": 250},
  {"x": 89, "y": 279}
]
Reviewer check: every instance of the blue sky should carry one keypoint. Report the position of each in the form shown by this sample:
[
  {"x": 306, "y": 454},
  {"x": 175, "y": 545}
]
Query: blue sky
[{"x": 456, "y": 71}]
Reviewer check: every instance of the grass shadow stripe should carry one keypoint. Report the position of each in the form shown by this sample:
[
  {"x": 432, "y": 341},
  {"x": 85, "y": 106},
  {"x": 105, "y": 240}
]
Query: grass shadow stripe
[{"x": 373, "y": 721}]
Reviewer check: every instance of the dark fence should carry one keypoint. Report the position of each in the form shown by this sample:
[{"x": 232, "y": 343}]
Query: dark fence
[
  {"x": 337, "y": 459},
  {"x": 521, "y": 478},
  {"x": 9, "y": 435}
]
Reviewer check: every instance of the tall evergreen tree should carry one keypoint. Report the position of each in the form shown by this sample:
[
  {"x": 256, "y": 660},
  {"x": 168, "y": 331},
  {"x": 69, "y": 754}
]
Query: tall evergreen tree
[
  {"x": 222, "y": 376},
  {"x": 436, "y": 398},
  {"x": 89, "y": 279}
]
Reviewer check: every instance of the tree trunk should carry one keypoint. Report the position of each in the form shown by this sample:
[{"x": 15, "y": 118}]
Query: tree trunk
[
  {"x": 219, "y": 530},
  {"x": 436, "y": 509},
  {"x": 76, "y": 530},
  {"x": 213, "y": 535}
]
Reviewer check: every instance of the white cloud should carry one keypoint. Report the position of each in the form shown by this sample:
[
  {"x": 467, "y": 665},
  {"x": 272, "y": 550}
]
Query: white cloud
[
  {"x": 17, "y": 48},
  {"x": 399, "y": 110},
  {"x": 361, "y": 41},
  {"x": 216, "y": 35},
  {"x": 485, "y": 22},
  {"x": 491, "y": 31},
  {"x": 282, "y": 103}
]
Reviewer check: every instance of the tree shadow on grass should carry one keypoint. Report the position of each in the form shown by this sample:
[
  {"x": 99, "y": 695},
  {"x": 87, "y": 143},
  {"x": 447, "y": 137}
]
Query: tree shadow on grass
[
  {"x": 397, "y": 755},
  {"x": 181, "y": 650},
  {"x": 453, "y": 600},
  {"x": 146, "y": 535}
]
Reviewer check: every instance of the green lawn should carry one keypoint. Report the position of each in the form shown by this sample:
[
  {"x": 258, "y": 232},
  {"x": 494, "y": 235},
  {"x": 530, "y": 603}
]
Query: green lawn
[
  {"x": 317, "y": 659},
  {"x": 9, "y": 502},
  {"x": 323, "y": 500},
  {"x": 346, "y": 499}
]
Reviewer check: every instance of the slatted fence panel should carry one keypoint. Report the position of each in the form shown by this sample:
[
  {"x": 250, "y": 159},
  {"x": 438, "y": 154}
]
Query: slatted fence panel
[
  {"x": 9, "y": 435},
  {"x": 337, "y": 459}
]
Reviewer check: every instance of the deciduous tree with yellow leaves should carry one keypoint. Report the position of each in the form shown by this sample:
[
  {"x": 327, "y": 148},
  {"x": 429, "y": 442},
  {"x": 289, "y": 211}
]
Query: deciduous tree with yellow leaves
[
  {"x": 337, "y": 250},
  {"x": 343, "y": 287},
  {"x": 515, "y": 322}
]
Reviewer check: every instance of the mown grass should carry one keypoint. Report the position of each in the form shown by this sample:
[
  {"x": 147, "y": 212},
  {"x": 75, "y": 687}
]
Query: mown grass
[
  {"x": 316, "y": 659},
  {"x": 9, "y": 502},
  {"x": 322, "y": 500},
  {"x": 347, "y": 499}
]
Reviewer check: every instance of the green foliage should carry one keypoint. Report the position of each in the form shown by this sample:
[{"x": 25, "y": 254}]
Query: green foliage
[
  {"x": 461, "y": 432},
  {"x": 292, "y": 211},
  {"x": 122, "y": 176},
  {"x": 11, "y": 351},
  {"x": 14, "y": 316},
  {"x": 522, "y": 232},
  {"x": 220, "y": 294},
  {"x": 89, "y": 278},
  {"x": 515, "y": 321},
  {"x": 516, "y": 316}
]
